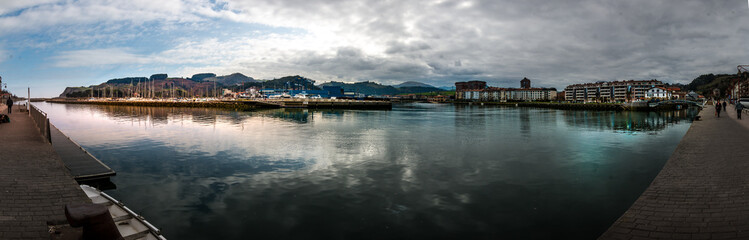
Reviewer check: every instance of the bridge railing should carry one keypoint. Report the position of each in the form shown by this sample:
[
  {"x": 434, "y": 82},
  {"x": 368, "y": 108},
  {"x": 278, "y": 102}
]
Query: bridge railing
[{"x": 42, "y": 122}]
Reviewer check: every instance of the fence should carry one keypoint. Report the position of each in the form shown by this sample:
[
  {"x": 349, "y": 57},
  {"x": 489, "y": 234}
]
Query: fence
[{"x": 42, "y": 122}]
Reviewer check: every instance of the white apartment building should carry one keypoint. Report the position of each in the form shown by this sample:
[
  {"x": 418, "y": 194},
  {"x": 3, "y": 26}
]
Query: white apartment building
[
  {"x": 658, "y": 92},
  {"x": 616, "y": 91}
]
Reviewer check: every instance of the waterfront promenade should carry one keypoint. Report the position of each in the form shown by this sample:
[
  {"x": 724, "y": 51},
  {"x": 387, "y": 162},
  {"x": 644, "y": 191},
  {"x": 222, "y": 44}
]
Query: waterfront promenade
[
  {"x": 34, "y": 184},
  {"x": 702, "y": 192}
]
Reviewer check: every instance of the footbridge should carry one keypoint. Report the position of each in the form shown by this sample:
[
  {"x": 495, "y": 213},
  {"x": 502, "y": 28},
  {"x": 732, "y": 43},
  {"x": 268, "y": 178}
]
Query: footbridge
[{"x": 677, "y": 102}]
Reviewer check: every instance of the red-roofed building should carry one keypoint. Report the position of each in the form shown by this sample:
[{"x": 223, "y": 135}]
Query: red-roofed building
[{"x": 658, "y": 92}]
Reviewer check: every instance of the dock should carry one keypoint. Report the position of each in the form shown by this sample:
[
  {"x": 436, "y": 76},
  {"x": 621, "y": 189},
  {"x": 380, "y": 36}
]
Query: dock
[
  {"x": 702, "y": 192},
  {"x": 330, "y": 103},
  {"x": 34, "y": 184},
  {"x": 82, "y": 165}
]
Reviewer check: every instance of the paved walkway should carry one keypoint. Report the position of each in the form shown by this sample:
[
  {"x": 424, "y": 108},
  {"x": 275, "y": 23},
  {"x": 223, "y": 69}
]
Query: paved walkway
[
  {"x": 34, "y": 184},
  {"x": 702, "y": 191}
]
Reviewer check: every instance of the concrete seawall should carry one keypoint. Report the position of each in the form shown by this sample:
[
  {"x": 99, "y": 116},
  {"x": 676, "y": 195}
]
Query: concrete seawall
[
  {"x": 702, "y": 192},
  {"x": 643, "y": 106}
]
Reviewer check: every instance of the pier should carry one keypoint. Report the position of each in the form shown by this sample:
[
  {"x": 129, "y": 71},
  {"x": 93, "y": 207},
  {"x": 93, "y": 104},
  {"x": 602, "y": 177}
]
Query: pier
[
  {"x": 702, "y": 192},
  {"x": 34, "y": 184}
]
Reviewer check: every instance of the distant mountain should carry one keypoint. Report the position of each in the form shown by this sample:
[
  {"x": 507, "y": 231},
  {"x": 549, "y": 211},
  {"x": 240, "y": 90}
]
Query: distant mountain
[
  {"x": 127, "y": 80},
  {"x": 291, "y": 82},
  {"x": 75, "y": 92},
  {"x": 373, "y": 88},
  {"x": 367, "y": 88},
  {"x": 231, "y": 79},
  {"x": 418, "y": 89},
  {"x": 447, "y": 87},
  {"x": 288, "y": 82},
  {"x": 200, "y": 76},
  {"x": 201, "y": 84},
  {"x": 412, "y": 84}
]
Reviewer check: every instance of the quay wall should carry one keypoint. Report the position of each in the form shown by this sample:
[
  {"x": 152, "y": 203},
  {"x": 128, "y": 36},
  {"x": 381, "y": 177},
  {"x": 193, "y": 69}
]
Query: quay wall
[
  {"x": 336, "y": 104},
  {"x": 587, "y": 106}
]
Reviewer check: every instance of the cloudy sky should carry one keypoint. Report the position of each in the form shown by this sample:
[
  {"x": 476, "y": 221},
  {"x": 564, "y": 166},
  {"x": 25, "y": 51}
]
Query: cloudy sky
[{"x": 49, "y": 44}]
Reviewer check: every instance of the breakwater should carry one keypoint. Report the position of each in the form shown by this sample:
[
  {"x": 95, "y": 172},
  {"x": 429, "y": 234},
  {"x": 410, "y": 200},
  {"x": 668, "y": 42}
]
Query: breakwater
[{"x": 243, "y": 104}]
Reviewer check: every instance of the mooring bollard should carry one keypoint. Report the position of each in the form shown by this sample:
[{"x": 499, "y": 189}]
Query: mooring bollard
[{"x": 95, "y": 219}]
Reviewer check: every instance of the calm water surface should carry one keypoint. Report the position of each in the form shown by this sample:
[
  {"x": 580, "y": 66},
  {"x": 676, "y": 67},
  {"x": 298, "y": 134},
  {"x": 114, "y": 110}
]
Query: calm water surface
[{"x": 418, "y": 171}]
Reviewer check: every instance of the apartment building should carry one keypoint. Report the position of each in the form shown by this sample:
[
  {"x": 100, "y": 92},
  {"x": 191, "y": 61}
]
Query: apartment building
[{"x": 616, "y": 91}]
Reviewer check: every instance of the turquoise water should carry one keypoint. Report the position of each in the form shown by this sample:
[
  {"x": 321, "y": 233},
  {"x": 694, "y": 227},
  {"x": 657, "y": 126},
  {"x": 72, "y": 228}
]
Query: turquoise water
[{"x": 417, "y": 171}]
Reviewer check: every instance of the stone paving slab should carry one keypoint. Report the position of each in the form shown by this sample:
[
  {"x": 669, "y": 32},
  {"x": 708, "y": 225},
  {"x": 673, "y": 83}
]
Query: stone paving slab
[
  {"x": 702, "y": 192},
  {"x": 34, "y": 184}
]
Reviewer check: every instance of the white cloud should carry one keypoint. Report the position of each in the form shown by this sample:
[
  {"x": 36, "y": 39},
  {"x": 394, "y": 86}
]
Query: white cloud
[
  {"x": 97, "y": 57},
  {"x": 7, "y": 6},
  {"x": 553, "y": 43},
  {"x": 34, "y": 16}
]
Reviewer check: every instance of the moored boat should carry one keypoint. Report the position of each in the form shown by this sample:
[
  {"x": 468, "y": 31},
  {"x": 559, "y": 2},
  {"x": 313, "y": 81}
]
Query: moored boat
[{"x": 131, "y": 225}]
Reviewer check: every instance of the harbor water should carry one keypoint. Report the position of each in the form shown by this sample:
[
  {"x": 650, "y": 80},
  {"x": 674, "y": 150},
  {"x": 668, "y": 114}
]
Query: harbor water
[{"x": 418, "y": 171}]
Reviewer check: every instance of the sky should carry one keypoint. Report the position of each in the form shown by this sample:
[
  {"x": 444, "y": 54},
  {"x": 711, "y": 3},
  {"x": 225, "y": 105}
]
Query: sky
[{"x": 47, "y": 45}]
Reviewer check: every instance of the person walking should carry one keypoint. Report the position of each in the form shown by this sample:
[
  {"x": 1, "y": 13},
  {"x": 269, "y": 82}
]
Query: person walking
[
  {"x": 739, "y": 108},
  {"x": 724, "y": 105},
  {"x": 717, "y": 109},
  {"x": 10, "y": 104}
]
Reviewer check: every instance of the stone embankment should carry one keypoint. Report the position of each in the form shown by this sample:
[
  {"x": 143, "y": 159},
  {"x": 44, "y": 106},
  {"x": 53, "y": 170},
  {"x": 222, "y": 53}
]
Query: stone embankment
[
  {"x": 702, "y": 192},
  {"x": 587, "y": 106}
]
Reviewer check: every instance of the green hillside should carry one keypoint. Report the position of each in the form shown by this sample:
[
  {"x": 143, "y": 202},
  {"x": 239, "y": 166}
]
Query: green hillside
[
  {"x": 705, "y": 84},
  {"x": 373, "y": 88}
]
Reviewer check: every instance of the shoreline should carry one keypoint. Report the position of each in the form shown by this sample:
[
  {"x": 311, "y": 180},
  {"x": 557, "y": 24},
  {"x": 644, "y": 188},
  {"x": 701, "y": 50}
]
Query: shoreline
[
  {"x": 244, "y": 105},
  {"x": 247, "y": 105},
  {"x": 643, "y": 107}
]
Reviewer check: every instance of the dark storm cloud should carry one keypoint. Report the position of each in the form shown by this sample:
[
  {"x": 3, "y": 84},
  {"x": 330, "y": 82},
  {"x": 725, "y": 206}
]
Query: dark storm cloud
[
  {"x": 354, "y": 64},
  {"x": 399, "y": 47}
]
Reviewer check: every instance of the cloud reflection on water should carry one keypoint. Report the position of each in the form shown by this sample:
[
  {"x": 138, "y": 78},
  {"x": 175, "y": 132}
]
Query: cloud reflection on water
[{"x": 418, "y": 171}]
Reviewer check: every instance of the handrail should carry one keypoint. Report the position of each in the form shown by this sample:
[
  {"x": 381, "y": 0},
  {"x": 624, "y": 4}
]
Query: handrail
[{"x": 42, "y": 122}]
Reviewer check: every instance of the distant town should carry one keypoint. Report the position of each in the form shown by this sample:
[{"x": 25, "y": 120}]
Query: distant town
[{"x": 208, "y": 86}]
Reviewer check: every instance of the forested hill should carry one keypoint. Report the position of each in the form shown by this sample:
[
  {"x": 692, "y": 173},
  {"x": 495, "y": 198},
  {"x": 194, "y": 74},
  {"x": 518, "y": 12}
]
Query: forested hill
[
  {"x": 705, "y": 84},
  {"x": 373, "y": 88}
]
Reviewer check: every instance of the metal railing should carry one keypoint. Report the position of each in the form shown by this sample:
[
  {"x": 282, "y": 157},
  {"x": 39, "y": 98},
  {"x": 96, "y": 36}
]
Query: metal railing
[{"x": 42, "y": 122}]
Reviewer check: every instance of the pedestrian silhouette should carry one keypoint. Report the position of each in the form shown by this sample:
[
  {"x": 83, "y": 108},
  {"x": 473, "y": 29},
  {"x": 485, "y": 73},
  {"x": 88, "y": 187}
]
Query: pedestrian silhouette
[
  {"x": 717, "y": 109},
  {"x": 10, "y": 104},
  {"x": 739, "y": 108}
]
